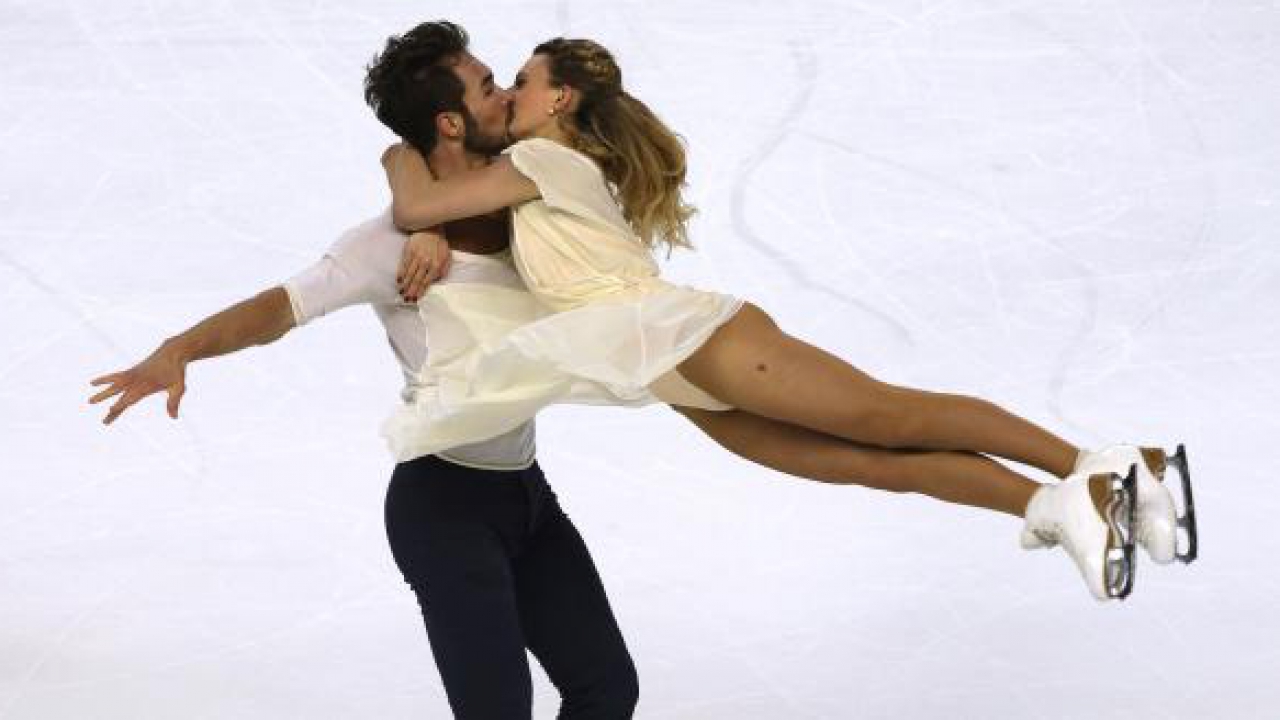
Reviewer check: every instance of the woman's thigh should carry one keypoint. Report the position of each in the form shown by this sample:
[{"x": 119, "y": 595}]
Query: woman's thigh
[
  {"x": 793, "y": 449},
  {"x": 753, "y": 365}
]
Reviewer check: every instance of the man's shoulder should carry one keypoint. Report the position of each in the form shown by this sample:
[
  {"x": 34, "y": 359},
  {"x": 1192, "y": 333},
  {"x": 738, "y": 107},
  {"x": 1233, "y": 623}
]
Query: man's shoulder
[
  {"x": 375, "y": 238},
  {"x": 372, "y": 250}
]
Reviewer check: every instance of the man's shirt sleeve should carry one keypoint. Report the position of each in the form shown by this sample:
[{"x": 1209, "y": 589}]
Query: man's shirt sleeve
[{"x": 357, "y": 269}]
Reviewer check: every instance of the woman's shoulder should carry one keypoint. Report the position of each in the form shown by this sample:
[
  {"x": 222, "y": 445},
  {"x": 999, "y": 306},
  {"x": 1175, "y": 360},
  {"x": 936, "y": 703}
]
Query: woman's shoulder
[
  {"x": 544, "y": 147},
  {"x": 536, "y": 143}
]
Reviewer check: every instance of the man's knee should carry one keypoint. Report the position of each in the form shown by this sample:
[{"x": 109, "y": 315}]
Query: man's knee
[
  {"x": 624, "y": 690},
  {"x": 612, "y": 695}
]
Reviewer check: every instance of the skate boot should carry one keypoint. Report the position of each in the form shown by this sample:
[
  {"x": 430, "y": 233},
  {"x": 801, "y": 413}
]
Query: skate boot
[
  {"x": 1091, "y": 517},
  {"x": 1157, "y": 520}
]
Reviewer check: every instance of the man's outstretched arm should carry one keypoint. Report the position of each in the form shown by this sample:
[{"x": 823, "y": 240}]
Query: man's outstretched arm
[{"x": 260, "y": 320}]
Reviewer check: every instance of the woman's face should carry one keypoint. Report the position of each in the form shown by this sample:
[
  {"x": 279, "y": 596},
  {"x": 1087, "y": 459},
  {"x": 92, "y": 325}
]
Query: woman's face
[{"x": 532, "y": 98}]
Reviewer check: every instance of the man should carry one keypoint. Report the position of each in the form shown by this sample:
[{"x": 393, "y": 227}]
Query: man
[{"x": 476, "y": 531}]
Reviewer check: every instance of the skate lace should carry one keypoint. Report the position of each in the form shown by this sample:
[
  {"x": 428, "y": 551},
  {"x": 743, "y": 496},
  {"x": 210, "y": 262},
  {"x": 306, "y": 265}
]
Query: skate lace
[
  {"x": 1046, "y": 535},
  {"x": 1142, "y": 533}
]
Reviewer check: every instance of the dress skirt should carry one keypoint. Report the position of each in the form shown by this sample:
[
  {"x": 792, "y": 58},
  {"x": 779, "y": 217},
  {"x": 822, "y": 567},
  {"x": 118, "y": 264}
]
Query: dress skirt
[{"x": 511, "y": 356}]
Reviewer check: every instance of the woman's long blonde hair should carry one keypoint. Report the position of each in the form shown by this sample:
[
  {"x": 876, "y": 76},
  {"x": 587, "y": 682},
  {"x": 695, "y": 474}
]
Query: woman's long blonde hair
[{"x": 639, "y": 155}]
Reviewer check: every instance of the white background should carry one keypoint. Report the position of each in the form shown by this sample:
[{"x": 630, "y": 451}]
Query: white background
[{"x": 1068, "y": 208}]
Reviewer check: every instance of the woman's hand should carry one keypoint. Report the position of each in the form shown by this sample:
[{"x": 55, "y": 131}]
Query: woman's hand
[{"x": 426, "y": 258}]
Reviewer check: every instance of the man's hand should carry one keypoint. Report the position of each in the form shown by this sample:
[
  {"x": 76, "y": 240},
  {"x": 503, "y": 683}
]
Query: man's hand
[
  {"x": 262, "y": 319},
  {"x": 163, "y": 370},
  {"x": 426, "y": 258}
]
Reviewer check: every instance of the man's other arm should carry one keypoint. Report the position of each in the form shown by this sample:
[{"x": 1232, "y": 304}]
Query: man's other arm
[
  {"x": 260, "y": 320},
  {"x": 357, "y": 269}
]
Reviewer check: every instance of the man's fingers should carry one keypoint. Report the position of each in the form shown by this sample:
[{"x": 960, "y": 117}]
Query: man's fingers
[
  {"x": 133, "y": 395},
  {"x": 105, "y": 379},
  {"x": 121, "y": 405},
  {"x": 113, "y": 390},
  {"x": 175, "y": 398}
]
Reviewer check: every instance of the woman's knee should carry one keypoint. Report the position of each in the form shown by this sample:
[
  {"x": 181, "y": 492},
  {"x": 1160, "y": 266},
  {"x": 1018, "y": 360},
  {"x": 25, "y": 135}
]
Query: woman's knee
[
  {"x": 882, "y": 470},
  {"x": 913, "y": 418},
  {"x": 886, "y": 418}
]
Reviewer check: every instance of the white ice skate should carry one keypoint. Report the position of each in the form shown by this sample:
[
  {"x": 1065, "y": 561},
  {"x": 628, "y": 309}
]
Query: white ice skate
[
  {"x": 1157, "y": 520},
  {"x": 1091, "y": 517}
]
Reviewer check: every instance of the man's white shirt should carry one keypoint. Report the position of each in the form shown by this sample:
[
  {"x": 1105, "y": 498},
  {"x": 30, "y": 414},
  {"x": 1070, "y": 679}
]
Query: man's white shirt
[{"x": 360, "y": 269}]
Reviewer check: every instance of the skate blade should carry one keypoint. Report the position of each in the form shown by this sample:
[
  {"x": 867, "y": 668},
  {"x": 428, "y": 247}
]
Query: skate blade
[
  {"x": 1187, "y": 520},
  {"x": 1119, "y": 562}
]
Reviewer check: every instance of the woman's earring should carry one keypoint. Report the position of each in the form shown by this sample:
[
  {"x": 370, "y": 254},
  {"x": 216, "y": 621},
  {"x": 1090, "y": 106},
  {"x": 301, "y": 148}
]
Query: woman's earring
[{"x": 551, "y": 111}]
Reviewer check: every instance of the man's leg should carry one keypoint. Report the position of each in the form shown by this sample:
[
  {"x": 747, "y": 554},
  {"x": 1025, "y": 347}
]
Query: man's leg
[
  {"x": 448, "y": 529},
  {"x": 566, "y": 617}
]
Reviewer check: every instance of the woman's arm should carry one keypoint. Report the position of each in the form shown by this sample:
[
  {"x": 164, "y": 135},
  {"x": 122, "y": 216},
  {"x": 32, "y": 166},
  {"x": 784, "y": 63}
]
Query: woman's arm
[
  {"x": 418, "y": 201},
  {"x": 408, "y": 177}
]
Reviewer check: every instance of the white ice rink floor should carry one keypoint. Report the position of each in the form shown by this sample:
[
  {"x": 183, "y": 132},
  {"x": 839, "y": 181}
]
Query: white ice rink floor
[{"x": 1068, "y": 208}]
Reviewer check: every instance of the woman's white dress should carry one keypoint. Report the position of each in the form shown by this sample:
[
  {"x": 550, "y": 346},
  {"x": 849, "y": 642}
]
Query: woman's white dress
[{"x": 597, "y": 327}]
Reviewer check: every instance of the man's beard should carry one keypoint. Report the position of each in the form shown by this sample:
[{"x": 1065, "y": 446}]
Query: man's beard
[{"x": 482, "y": 144}]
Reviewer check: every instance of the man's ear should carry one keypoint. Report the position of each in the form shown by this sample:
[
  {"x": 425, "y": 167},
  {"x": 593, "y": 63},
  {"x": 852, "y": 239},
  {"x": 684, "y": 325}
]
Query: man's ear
[{"x": 449, "y": 125}]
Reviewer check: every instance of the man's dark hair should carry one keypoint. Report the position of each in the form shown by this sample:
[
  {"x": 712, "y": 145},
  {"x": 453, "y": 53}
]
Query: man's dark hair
[{"x": 413, "y": 80}]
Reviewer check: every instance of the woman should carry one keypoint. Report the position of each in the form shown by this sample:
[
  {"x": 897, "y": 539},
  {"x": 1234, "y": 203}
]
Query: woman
[{"x": 595, "y": 185}]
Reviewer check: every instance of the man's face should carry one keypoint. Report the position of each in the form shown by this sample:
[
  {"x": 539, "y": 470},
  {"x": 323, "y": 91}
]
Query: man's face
[{"x": 488, "y": 105}]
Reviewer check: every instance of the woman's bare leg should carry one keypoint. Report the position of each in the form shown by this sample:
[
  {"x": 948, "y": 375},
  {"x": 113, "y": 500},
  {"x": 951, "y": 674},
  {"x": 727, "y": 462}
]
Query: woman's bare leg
[
  {"x": 963, "y": 478},
  {"x": 751, "y": 364}
]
